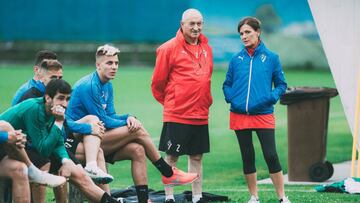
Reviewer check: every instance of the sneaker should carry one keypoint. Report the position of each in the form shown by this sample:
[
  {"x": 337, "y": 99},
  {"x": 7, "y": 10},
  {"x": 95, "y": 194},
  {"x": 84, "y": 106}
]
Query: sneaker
[
  {"x": 201, "y": 200},
  {"x": 284, "y": 200},
  {"x": 169, "y": 201},
  {"x": 98, "y": 175},
  {"x": 48, "y": 179},
  {"x": 253, "y": 199},
  {"x": 179, "y": 177}
]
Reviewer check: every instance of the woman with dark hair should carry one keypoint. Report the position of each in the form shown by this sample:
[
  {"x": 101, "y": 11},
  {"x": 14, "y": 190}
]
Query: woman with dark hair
[{"x": 254, "y": 83}]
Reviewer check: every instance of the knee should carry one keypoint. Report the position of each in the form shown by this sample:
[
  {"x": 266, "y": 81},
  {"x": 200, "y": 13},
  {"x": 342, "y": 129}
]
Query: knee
[
  {"x": 79, "y": 176},
  {"x": 141, "y": 133},
  {"x": 273, "y": 163},
  {"x": 18, "y": 171},
  {"x": 137, "y": 152},
  {"x": 271, "y": 158},
  {"x": 171, "y": 160},
  {"x": 196, "y": 158},
  {"x": 5, "y": 126},
  {"x": 91, "y": 118}
]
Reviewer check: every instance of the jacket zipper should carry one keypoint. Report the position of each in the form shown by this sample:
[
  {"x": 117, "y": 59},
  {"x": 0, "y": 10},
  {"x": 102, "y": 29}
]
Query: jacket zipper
[{"x": 249, "y": 84}]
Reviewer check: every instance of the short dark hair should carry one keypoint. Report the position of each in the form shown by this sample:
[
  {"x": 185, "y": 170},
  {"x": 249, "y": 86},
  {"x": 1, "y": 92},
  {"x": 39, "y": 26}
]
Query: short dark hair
[
  {"x": 57, "y": 86},
  {"x": 49, "y": 64},
  {"x": 44, "y": 54},
  {"x": 251, "y": 21}
]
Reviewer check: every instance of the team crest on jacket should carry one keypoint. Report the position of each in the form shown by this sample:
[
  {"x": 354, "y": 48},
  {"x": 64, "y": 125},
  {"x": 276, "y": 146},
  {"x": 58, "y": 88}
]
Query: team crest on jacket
[{"x": 263, "y": 57}]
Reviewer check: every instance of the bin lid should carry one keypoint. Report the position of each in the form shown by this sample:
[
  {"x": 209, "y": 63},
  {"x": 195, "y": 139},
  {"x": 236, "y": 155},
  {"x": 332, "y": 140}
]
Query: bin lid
[{"x": 297, "y": 94}]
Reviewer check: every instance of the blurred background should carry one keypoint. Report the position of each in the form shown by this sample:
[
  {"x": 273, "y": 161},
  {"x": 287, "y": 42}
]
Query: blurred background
[{"x": 74, "y": 29}]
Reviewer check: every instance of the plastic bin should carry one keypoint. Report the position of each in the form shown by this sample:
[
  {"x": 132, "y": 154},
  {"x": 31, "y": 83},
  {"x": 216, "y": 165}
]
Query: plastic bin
[{"x": 308, "y": 113}]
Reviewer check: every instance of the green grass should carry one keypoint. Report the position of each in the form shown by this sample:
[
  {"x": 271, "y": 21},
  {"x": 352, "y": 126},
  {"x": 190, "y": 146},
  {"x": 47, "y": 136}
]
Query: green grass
[{"x": 222, "y": 167}]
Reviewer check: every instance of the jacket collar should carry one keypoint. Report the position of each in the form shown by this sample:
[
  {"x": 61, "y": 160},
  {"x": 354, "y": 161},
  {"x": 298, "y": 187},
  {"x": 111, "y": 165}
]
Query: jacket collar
[
  {"x": 181, "y": 39},
  {"x": 97, "y": 78},
  {"x": 260, "y": 48},
  {"x": 38, "y": 85}
]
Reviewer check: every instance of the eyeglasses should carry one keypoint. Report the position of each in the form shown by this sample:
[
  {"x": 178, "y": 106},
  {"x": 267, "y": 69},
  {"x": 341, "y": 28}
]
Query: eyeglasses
[{"x": 107, "y": 50}]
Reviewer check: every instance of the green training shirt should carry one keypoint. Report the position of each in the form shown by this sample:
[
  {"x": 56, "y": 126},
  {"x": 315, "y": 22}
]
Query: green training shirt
[{"x": 31, "y": 118}]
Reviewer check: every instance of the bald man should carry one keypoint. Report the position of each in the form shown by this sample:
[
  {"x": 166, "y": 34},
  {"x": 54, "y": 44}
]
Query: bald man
[{"x": 181, "y": 83}]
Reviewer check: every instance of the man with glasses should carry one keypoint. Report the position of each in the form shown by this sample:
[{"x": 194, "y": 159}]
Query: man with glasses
[
  {"x": 125, "y": 138},
  {"x": 181, "y": 83}
]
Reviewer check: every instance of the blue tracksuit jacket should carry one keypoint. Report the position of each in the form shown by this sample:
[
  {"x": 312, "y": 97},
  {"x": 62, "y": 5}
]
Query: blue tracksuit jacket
[
  {"x": 92, "y": 97},
  {"x": 248, "y": 86}
]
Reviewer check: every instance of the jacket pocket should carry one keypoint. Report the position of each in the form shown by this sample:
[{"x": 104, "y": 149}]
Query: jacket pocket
[{"x": 264, "y": 103}]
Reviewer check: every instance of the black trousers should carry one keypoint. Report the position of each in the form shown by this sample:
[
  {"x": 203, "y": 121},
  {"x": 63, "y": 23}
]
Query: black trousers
[{"x": 267, "y": 141}]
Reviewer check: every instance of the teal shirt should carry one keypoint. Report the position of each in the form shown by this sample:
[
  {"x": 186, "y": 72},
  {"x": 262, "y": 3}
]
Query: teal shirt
[{"x": 31, "y": 118}]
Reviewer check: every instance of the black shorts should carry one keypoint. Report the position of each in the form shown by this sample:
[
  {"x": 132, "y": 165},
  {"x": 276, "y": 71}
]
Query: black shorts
[
  {"x": 37, "y": 159},
  {"x": 56, "y": 163},
  {"x": 71, "y": 144},
  {"x": 2, "y": 152},
  {"x": 179, "y": 139},
  {"x": 110, "y": 158}
]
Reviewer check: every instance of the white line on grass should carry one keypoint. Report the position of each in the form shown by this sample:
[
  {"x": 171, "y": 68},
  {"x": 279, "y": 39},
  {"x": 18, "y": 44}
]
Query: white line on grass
[{"x": 260, "y": 190}]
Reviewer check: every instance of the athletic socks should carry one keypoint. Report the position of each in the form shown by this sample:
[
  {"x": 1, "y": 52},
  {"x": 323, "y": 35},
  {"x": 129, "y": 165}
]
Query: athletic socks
[
  {"x": 106, "y": 198},
  {"x": 34, "y": 173},
  {"x": 196, "y": 198},
  {"x": 91, "y": 165},
  {"x": 164, "y": 168},
  {"x": 142, "y": 192},
  {"x": 170, "y": 197}
]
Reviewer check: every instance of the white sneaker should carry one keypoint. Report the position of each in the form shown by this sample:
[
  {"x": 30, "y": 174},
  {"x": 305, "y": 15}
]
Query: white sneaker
[
  {"x": 253, "y": 199},
  {"x": 284, "y": 200},
  {"x": 48, "y": 179},
  {"x": 98, "y": 175}
]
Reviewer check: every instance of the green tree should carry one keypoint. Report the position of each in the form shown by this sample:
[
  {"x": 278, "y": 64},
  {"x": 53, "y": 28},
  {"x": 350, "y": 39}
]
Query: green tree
[{"x": 269, "y": 19}]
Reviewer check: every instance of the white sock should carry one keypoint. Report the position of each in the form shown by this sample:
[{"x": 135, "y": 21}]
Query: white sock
[
  {"x": 91, "y": 165},
  {"x": 34, "y": 173},
  {"x": 196, "y": 198},
  {"x": 169, "y": 197}
]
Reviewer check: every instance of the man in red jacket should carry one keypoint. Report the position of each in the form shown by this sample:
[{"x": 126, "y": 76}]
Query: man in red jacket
[{"x": 181, "y": 83}]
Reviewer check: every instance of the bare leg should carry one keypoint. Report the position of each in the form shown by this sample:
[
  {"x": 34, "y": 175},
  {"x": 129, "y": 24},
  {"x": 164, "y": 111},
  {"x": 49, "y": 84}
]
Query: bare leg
[
  {"x": 91, "y": 143},
  {"x": 17, "y": 171},
  {"x": 61, "y": 194},
  {"x": 251, "y": 183},
  {"x": 115, "y": 139},
  {"x": 102, "y": 165},
  {"x": 80, "y": 155},
  {"x": 195, "y": 166},
  {"x": 136, "y": 154},
  {"x": 171, "y": 160},
  {"x": 85, "y": 184},
  {"x": 13, "y": 151},
  {"x": 278, "y": 181},
  {"x": 38, "y": 192}
]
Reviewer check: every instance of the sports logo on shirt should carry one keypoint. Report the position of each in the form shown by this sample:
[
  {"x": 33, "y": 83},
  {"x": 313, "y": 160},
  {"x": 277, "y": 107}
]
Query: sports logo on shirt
[
  {"x": 263, "y": 57},
  {"x": 240, "y": 57}
]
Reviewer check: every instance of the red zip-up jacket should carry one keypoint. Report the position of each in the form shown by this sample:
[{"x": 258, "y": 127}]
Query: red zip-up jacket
[{"x": 182, "y": 78}]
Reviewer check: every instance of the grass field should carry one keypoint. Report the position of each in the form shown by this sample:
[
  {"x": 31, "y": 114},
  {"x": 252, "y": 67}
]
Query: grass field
[{"x": 222, "y": 167}]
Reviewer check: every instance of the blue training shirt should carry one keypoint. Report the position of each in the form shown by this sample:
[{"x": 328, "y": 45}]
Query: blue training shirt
[
  {"x": 92, "y": 97},
  {"x": 25, "y": 87}
]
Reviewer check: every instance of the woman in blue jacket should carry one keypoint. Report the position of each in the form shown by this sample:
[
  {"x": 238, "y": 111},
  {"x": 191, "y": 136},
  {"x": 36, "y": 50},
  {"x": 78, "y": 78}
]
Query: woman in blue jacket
[{"x": 254, "y": 82}]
